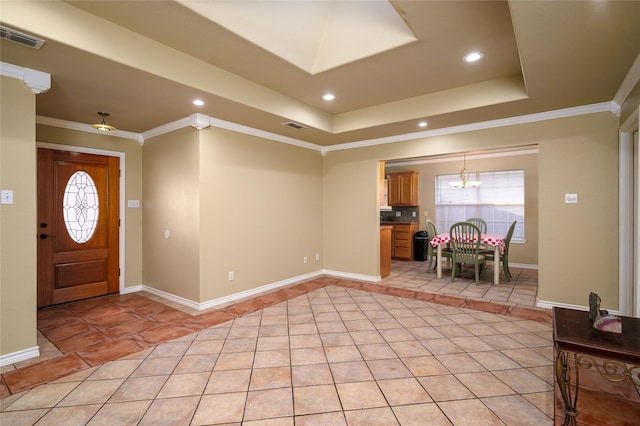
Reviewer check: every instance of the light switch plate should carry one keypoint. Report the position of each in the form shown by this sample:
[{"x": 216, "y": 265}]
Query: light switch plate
[
  {"x": 7, "y": 196},
  {"x": 571, "y": 198},
  {"x": 133, "y": 203}
]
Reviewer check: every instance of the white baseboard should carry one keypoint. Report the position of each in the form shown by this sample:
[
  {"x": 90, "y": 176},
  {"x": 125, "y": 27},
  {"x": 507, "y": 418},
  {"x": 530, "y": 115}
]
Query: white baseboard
[
  {"x": 18, "y": 356},
  {"x": 132, "y": 289},
  {"x": 523, "y": 266},
  {"x": 548, "y": 305},
  {"x": 350, "y": 276},
  {"x": 226, "y": 299}
]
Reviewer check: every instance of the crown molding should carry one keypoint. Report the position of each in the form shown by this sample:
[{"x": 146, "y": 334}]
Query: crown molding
[
  {"x": 38, "y": 81},
  {"x": 72, "y": 125},
  {"x": 503, "y": 122},
  {"x": 631, "y": 79},
  {"x": 199, "y": 121}
]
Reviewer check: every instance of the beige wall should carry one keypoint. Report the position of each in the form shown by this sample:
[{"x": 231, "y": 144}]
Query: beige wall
[
  {"x": 132, "y": 185},
  {"x": 579, "y": 242},
  {"x": 526, "y": 253},
  {"x": 577, "y": 155},
  {"x": 261, "y": 212},
  {"x": 231, "y": 203},
  {"x": 171, "y": 204},
  {"x": 17, "y": 221}
]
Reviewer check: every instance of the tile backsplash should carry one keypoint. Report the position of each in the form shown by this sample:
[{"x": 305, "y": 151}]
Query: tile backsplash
[{"x": 406, "y": 214}]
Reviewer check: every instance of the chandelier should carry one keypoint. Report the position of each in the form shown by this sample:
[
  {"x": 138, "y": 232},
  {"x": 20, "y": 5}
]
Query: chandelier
[{"x": 464, "y": 181}]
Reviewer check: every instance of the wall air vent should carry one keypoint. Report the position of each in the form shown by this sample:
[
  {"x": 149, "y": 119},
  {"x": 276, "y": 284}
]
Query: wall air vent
[
  {"x": 294, "y": 125},
  {"x": 20, "y": 37}
]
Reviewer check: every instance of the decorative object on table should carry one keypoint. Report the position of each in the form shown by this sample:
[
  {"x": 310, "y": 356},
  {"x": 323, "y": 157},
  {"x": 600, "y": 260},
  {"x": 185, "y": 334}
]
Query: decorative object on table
[
  {"x": 594, "y": 307},
  {"x": 602, "y": 319},
  {"x": 609, "y": 322}
]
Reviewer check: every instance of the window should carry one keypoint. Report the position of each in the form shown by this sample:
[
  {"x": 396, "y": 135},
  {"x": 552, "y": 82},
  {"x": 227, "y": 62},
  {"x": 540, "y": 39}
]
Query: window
[
  {"x": 80, "y": 207},
  {"x": 499, "y": 201}
]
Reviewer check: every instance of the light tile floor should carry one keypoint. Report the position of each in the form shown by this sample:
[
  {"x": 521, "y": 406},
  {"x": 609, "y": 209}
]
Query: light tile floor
[
  {"x": 336, "y": 355},
  {"x": 522, "y": 290}
]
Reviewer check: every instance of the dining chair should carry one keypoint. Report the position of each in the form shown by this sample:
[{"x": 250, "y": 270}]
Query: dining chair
[
  {"x": 480, "y": 223},
  {"x": 504, "y": 258},
  {"x": 465, "y": 247},
  {"x": 431, "y": 251}
]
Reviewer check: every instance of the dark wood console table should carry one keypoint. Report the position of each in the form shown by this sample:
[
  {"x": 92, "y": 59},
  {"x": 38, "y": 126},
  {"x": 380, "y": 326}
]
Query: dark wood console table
[{"x": 575, "y": 338}]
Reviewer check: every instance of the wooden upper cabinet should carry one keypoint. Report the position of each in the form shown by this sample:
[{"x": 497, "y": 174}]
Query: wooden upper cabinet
[{"x": 403, "y": 188}]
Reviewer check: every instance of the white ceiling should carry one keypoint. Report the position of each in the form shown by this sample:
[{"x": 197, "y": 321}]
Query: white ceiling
[{"x": 144, "y": 61}]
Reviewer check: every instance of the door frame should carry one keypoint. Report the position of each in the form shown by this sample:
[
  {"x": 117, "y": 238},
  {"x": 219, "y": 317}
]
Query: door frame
[
  {"x": 629, "y": 217},
  {"x": 121, "y": 181}
]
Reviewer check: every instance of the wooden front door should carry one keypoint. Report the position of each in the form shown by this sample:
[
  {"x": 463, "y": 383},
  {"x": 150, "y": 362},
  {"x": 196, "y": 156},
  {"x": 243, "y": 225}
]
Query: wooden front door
[{"x": 77, "y": 229}]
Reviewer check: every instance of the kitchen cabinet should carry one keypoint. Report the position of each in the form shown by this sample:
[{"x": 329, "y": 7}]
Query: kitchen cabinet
[
  {"x": 403, "y": 188},
  {"x": 402, "y": 240},
  {"x": 385, "y": 250}
]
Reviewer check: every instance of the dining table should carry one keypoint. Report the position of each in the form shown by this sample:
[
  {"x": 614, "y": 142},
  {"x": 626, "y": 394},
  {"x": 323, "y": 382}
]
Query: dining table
[{"x": 496, "y": 241}]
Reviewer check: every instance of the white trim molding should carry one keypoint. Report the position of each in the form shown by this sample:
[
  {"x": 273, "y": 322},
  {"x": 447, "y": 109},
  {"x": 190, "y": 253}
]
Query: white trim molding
[
  {"x": 38, "y": 81},
  {"x": 550, "y": 305},
  {"x": 247, "y": 293},
  {"x": 72, "y": 125},
  {"x": 222, "y": 300},
  {"x": 19, "y": 356},
  {"x": 611, "y": 107},
  {"x": 629, "y": 82},
  {"x": 198, "y": 121}
]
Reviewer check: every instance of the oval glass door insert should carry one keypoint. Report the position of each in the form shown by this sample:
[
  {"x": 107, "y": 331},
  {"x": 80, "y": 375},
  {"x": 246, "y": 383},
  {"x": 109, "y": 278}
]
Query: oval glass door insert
[{"x": 80, "y": 207}]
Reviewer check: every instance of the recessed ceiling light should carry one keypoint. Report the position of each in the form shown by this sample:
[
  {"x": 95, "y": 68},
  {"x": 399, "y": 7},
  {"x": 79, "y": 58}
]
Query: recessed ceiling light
[
  {"x": 198, "y": 102},
  {"x": 473, "y": 57},
  {"x": 422, "y": 124},
  {"x": 328, "y": 96}
]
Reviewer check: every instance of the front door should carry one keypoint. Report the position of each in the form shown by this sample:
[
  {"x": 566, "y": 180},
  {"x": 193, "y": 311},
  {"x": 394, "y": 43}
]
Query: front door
[{"x": 77, "y": 229}]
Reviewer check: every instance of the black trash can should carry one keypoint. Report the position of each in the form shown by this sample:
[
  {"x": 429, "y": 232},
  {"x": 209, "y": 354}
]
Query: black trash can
[{"x": 420, "y": 249}]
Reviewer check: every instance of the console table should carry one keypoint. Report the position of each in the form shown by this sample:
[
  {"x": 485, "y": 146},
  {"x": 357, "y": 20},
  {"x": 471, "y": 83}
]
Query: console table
[{"x": 577, "y": 343}]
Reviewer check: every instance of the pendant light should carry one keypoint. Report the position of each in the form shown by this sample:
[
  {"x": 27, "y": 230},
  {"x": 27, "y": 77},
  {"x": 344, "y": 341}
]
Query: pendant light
[
  {"x": 464, "y": 178},
  {"x": 103, "y": 125}
]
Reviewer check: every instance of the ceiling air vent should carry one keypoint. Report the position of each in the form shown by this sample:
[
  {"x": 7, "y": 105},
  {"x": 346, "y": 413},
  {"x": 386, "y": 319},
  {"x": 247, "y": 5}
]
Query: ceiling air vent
[
  {"x": 293, "y": 124},
  {"x": 20, "y": 37}
]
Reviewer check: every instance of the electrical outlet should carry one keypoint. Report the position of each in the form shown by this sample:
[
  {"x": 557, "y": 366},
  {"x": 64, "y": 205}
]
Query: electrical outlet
[
  {"x": 398, "y": 214},
  {"x": 426, "y": 213},
  {"x": 571, "y": 198},
  {"x": 305, "y": 259},
  {"x": 317, "y": 256},
  {"x": 413, "y": 214},
  {"x": 231, "y": 276}
]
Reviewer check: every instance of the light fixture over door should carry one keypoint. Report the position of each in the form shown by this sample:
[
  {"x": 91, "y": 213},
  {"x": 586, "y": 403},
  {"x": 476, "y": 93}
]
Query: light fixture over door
[{"x": 103, "y": 125}]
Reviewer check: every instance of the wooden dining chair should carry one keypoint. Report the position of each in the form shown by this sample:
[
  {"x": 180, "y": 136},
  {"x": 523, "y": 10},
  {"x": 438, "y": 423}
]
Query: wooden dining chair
[
  {"x": 431, "y": 251},
  {"x": 465, "y": 248},
  {"x": 504, "y": 258},
  {"x": 480, "y": 223}
]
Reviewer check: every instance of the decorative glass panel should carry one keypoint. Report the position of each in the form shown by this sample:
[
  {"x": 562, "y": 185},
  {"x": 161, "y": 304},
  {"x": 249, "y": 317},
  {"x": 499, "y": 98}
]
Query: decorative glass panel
[{"x": 80, "y": 207}]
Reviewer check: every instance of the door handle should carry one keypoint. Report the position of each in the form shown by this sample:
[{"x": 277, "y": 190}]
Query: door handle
[{"x": 45, "y": 236}]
